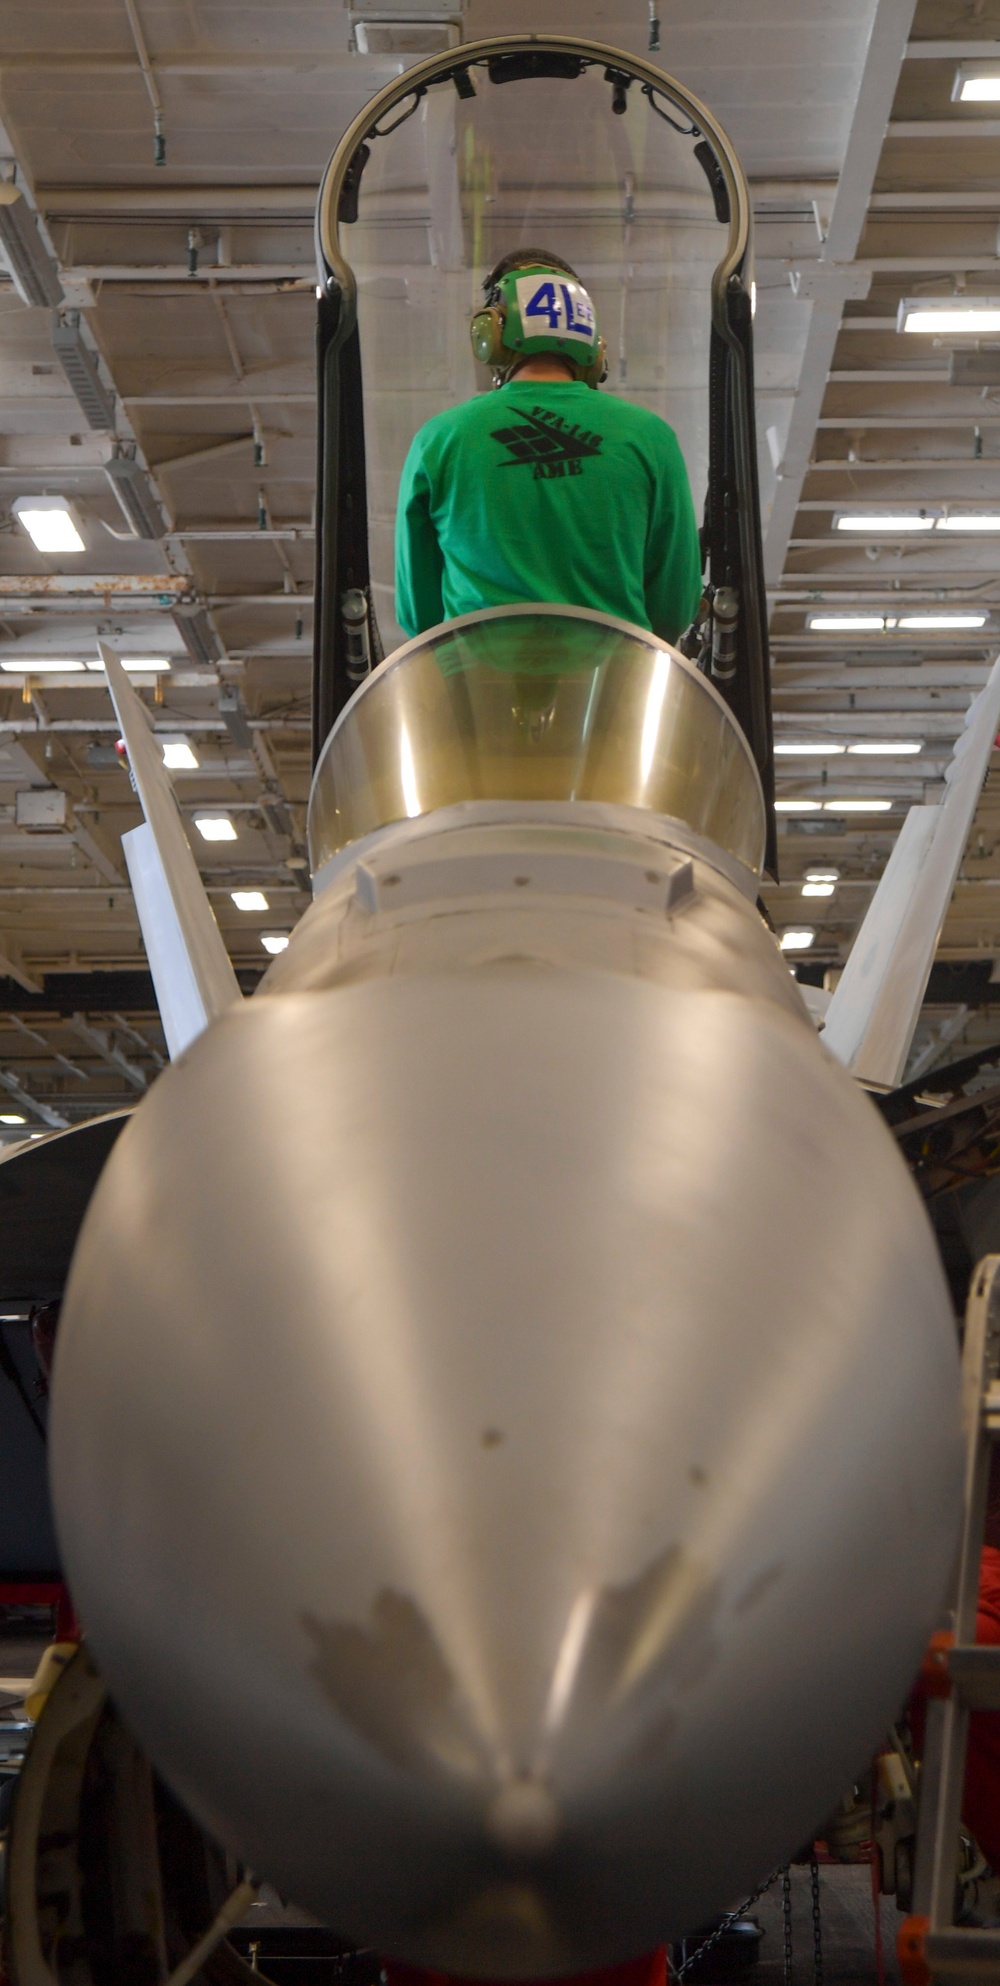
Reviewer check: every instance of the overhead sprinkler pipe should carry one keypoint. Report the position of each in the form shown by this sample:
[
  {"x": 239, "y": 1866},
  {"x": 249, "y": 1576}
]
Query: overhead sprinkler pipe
[{"x": 152, "y": 91}]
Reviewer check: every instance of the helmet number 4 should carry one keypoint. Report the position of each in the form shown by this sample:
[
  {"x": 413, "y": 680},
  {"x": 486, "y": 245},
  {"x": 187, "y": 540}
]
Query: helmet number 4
[{"x": 563, "y": 308}]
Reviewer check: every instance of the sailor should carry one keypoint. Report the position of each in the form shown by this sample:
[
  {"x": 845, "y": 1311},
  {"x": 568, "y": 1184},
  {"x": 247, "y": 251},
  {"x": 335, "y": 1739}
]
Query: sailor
[{"x": 545, "y": 490}]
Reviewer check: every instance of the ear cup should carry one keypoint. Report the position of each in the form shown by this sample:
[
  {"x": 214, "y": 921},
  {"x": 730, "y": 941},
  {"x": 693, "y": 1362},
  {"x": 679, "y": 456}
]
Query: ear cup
[
  {"x": 599, "y": 370},
  {"x": 486, "y": 333}
]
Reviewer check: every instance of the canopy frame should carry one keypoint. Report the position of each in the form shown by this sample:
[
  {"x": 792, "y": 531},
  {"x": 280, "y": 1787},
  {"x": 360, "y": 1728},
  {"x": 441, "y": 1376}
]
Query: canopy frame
[{"x": 731, "y": 535}]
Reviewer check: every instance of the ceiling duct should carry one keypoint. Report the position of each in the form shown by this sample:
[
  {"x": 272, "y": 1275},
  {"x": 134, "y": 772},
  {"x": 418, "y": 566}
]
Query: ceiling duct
[
  {"x": 32, "y": 270},
  {"x": 80, "y": 367},
  {"x": 197, "y": 633},
  {"x": 131, "y": 487}
]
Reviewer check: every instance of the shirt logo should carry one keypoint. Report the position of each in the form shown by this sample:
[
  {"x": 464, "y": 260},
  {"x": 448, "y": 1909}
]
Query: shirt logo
[{"x": 544, "y": 440}]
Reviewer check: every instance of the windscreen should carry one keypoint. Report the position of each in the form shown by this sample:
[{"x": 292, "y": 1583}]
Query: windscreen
[
  {"x": 539, "y": 163},
  {"x": 536, "y": 703}
]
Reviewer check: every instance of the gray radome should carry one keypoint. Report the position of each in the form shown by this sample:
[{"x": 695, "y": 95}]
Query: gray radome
[{"x": 506, "y": 1451}]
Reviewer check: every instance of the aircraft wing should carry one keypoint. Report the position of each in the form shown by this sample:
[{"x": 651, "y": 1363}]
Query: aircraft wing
[
  {"x": 192, "y": 973},
  {"x": 871, "y": 1018}
]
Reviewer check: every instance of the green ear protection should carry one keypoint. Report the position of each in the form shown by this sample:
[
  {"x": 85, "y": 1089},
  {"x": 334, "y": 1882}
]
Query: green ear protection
[{"x": 538, "y": 307}]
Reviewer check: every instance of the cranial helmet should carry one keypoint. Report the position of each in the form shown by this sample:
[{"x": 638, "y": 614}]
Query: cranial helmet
[{"x": 535, "y": 303}]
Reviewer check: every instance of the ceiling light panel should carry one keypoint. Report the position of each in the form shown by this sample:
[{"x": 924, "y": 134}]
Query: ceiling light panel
[
  {"x": 797, "y": 939},
  {"x": 215, "y": 827},
  {"x": 928, "y": 622},
  {"x": 178, "y": 755},
  {"x": 970, "y": 520},
  {"x": 976, "y": 86},
  {"x": 950, "y": 317},
  {"x": 888, "y": 523},
  {"x": 879, "y": 748},
  {"x": 41, "y": 665},
  {"x": 809, "y": 748},
  {"x": 845, "y": 623},
  {"x": 275, "y": 942},
  {"x": 856, "y": 806},
  {"x": 50, "y": 522},
  {"x": 250, "y": 899}
]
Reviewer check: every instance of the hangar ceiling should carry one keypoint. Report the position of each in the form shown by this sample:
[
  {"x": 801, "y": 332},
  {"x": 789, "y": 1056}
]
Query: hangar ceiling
[{"x": 163, "y": 383}]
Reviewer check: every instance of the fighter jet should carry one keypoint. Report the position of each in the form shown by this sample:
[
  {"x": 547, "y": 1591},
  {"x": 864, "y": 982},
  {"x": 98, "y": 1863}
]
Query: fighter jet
[{"x": 506, "y": 1427}]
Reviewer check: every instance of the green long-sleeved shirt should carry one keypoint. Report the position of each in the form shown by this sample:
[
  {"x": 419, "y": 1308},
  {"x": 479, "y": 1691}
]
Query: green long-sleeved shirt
[{"x": 547, "y": 490}]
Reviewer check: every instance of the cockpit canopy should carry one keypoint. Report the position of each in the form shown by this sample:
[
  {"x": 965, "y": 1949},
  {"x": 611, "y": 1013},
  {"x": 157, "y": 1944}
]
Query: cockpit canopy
[{"x": 547, "y": 143}]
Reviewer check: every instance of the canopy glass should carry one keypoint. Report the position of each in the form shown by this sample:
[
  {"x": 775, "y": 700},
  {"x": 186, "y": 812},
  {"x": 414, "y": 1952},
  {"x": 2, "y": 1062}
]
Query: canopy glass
[
  {"x": 541, "y": 163},
  {"x": 537, "y": 703},
  {"x": 558, "y": 144}
]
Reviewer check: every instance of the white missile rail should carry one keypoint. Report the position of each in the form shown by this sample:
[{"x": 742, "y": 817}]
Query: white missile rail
[
  {"x": 963, "y": 1677},
  {"x": 872, "y": 1016},
  {"x": 191, "y": 970}
]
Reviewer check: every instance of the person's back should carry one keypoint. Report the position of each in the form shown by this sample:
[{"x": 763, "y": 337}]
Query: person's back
[{"x": 547, "y": 490}]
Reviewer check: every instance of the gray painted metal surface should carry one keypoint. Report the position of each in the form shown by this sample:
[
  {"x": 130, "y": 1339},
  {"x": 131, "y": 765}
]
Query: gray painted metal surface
[
  {"x": 506, "y": 1423},
  {"x": 190, "y": 965}
]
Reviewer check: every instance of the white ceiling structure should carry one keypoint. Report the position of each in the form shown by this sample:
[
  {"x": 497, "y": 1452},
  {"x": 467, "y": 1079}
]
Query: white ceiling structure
[{"x": 162, "y": 381}]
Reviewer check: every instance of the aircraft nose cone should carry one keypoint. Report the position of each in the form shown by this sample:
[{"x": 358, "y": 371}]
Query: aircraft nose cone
[{"x": 506, "y": 1451}]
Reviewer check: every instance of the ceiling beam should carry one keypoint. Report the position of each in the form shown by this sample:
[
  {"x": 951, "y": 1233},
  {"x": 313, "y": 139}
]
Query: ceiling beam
[
  {"x": 44, "y": 1111},
  {"x": 936, "y": 202},
  {"x": 886, "y": 48},
  {"x": 106, "y": 1050},
  {"x": 186, "y": 202},
  {"x": 11, "y": 968},
  {"x": 944, "y": 127},
  {"x": 211, "y": 273},
  {"x": 943, "y": 51}
]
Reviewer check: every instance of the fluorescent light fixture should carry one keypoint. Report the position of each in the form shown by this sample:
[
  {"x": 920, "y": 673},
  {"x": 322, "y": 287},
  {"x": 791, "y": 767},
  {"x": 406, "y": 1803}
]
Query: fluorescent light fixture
[
  {"x": 275, "y": 942},
  {"x": 215, "y": 827},
  {"x": 32, "y": 270},
  {"x": 250, "y": 899},
  {"x": 135, "y": 498},
  {"x": 856, "y": 806},
  {"x": 41, "y": 665},
  {"x": 49, "y": 522},
  {"x": 822, "y": 872},
  {"x": 797, "y": 940},
  {"x": 178, "y": 756},
  {"x": 890, "y": 523},
  {"x": 929, "y": 621},
  {"x": 972, "y": 86},
  {"x": 796, "y": 806},
  {"x": 895, "y": 748},
  {"x": 846, "y": 623},
  {"x": 80, "y": 366},
  {"x": 197, "y": 633},
  {"x": 808, "y": 748},
  {"x": 11, "y": 1117},
  {"x": 950, "y": 317},
  {"x": 970, "y": 520},
  {"x": 818, "y": 889}
]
